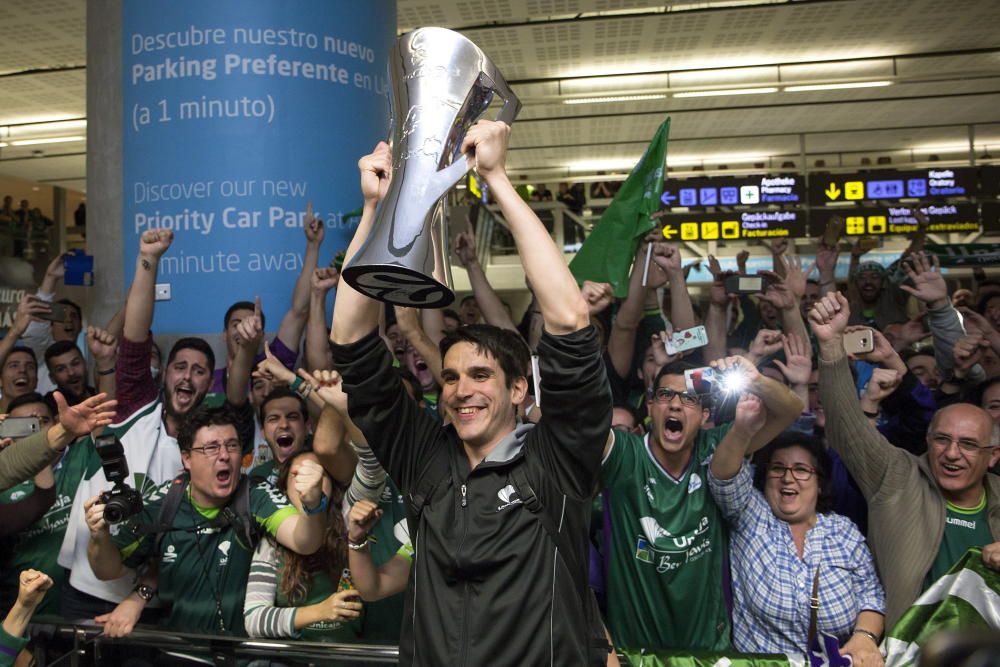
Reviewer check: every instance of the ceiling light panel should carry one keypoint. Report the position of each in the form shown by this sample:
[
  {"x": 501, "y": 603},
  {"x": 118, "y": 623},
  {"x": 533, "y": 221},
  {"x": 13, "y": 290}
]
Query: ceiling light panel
[{"x": 730, "y": 91}]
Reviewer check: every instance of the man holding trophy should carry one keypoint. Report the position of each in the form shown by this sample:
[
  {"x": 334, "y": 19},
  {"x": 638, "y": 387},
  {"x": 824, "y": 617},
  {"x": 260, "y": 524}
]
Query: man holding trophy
[{"x": 498, "y": 510}]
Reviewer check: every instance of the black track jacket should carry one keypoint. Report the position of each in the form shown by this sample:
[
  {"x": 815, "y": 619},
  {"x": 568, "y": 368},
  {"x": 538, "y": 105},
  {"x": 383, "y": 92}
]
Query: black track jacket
[{"x": 487, "y": 585}]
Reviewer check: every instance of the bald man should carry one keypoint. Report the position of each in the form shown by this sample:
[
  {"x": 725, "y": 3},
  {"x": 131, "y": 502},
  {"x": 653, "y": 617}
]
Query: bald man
[{"x": 924, "y": 511}]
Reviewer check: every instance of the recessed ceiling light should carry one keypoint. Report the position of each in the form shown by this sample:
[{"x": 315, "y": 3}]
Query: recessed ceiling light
[
  {"x": 615, "y": 98},
  {"x": 731, "y": 91},
  {"x": 837, "y": 86},
  {"x": 50, "y": 140}
]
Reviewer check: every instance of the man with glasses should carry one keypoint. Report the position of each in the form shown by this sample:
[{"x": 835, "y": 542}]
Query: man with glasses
[
  {"x": 924, "y": 511},
  {"x": 203, "y": 561},
  {"x": 668, "y": 539}
]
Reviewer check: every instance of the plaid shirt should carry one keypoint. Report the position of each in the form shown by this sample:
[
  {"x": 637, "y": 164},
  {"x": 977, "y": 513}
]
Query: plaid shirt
[{"x": 772, "y": 585}]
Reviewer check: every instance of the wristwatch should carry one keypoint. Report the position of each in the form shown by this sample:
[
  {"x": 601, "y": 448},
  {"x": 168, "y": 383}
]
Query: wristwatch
[{"x": 144, "y": 591}]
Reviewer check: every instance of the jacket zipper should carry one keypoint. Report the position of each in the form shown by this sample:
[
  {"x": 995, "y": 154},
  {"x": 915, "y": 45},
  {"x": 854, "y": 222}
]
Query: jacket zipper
[{"x": 465, "y": 586}]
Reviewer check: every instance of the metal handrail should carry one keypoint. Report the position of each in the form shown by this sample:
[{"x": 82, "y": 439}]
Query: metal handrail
[{"x": 88, "y": 640}]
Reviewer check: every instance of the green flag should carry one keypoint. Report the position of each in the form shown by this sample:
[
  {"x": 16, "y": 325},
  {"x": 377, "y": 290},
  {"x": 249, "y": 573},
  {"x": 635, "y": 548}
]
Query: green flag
[
  {"x": 967, "y": 597},
  {"x": 607, "y": 254}
]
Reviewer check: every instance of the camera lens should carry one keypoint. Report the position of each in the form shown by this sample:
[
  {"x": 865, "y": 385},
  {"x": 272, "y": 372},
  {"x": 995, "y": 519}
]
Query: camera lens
[{"x": 112, "y": 512}]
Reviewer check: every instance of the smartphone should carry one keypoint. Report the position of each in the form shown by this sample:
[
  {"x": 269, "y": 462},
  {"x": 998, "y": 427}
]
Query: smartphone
[
  {"x": 742, "y": 283},
  {"x": 19, "y": 427},
  {"x": 859, "y": 342},
  {"x": 57, "y": 314},
  {"x": 833, "y": 232},
  {"x": 687, "y": 339},
  {"x": 702, "y": 380}
]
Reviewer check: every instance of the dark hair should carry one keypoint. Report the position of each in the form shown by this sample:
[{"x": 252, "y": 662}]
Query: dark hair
[
  {"x": 981, "y": 389},
  {"x": 59, "y": 348},
  {"x": 923, "y": 351},
  {"x": 504, "y": 345},
  {"x": 298, "y": 572},
  {"x": 471, "y": 297},
  {"x": 678, "y": 367},
  {"x": 196, "y": 344},
  {"x": 629, "y": 409},
  {"x": 22, "y": 348},
  {"x": 278, "y": 393},
  {"x": 74, "y": 306},
  {"x": 31, "y": 399},
  {"x": 203, "y": 417},
  {"x": 448, "y": 312},
  {"x": 985, "y": 299},
  {"x": 241, "y": 305},
  {"x": 824, "y": 500},
  {"x": 409, "y": 378}
]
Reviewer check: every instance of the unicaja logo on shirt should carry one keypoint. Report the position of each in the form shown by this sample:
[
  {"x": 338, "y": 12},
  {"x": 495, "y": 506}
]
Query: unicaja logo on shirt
[
  {"x": 224, "y": 548},
  {"x": 508, "y": 496}
]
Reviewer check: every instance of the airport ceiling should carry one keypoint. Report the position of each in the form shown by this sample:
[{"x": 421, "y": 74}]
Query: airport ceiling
[{"x": 931, "y": 69}]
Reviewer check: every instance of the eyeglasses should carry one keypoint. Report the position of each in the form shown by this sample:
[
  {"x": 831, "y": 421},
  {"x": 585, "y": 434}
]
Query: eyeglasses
[
  {"x": 213, "y": 450},
  {"x": 665, "y": 395},
  {"x": 800, "y": 471},
  {"x": 967, "y": 445}
]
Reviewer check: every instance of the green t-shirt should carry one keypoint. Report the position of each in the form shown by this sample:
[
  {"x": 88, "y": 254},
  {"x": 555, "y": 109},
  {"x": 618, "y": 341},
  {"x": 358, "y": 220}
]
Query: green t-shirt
[
  {"x": 267, "y": 470},
  {"x": 38, "y": 546},
  {"x": 667, "y": 552},
  {"x": 963, "y": 529},
  {"x": 203, "y": 573},
  {"x": 383, "y": 618},
  {"x": 321, "y": 586}
]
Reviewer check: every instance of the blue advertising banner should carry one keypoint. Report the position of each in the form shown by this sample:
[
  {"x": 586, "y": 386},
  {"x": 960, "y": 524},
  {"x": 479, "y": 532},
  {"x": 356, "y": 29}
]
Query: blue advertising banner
[{"x": 236, "y": 115}]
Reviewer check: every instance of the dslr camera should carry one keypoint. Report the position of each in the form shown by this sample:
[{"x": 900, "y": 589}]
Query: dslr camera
[{"x": 122, "y": 501}]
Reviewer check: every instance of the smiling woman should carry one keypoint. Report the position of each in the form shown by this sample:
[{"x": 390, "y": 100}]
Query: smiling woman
[{"x": 786, "y": 541}]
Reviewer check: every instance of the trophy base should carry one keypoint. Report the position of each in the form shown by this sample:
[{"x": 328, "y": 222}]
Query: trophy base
[{"x": 398, "y": 285}]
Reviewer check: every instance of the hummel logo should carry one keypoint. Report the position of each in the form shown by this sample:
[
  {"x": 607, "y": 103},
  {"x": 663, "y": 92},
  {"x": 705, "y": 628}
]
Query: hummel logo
[{"x": 508, "y": 495}]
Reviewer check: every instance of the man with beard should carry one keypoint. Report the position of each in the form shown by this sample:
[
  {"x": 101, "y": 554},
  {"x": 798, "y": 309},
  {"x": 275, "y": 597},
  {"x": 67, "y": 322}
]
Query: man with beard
[
  {"x": 668, "y": 539},
  {"x": 146, "y": 423},
  {"x": 875, "y": 302},
  {"x": 68, "y": 371}
]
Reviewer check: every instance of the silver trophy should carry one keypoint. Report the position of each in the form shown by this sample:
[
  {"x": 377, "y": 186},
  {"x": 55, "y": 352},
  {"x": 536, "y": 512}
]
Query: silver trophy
[{"x": 441, "y": 83}]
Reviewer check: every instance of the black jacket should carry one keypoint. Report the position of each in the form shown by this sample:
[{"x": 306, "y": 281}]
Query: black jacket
[{"x": 488, "y": 586}]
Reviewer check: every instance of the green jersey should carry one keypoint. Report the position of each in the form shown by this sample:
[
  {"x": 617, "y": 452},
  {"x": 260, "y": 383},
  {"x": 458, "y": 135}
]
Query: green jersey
[
  {"x": 963, "y": 529},
  {"x": 667, "y": 551},
  {"x": 267, "y": 471},
  {"x": 383, "y": 618},
  {"x": 38, "y": 546},
  {"x": 203, "y": 572}
]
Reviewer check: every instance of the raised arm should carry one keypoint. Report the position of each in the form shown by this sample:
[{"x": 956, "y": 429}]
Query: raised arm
[
  {"x": 869, "y": 456},
  {"x": 408, "y": 320},
  {"x": 354, "y": 314},
  {"x": 27, "y": 311},
  {"x": 294, "y": 321},
  {"x": 621, "y": 340},
  {"x": 782, "y": 407},
  {"x": 559, "y": 298},
  {"x": 668, "y": 257},
  {"x": 715, "y": 318},
  {"x": 141, "y": 295},
  {"x": 730, "y": 452},
  {"x": 103, "y": 348},
  {"x": 489, "y": 303},
  {"x": 249, "y": 333},
  {"x": 317, "y": 336},
  {"x": 374, "y": 583}
]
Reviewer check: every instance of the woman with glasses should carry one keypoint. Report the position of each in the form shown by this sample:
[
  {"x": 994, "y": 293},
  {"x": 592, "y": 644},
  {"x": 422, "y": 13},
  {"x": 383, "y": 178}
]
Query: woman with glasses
[{"x": 787, "y": 546}]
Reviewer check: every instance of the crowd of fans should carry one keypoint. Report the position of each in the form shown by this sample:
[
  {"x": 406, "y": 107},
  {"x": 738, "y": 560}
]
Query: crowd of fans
[{"x": 826, "y": 490}]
